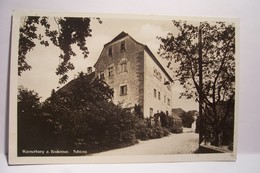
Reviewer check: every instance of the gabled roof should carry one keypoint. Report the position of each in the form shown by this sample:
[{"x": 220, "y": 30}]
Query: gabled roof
[
  {"x": 157, "y": 62},
  {"x": 123, "y": 35},
  {"x": 67, "y": 88},
  {"x": 118, "y": 37}
]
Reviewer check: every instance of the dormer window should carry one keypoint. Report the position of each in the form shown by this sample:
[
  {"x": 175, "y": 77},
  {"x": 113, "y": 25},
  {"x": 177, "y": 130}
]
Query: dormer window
[
  {"x": 110, "y": 51},
  {"x": 123, "y": 46}
]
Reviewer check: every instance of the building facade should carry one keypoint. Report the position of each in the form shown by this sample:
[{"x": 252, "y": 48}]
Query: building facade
[{"x": 135, "y": 75}]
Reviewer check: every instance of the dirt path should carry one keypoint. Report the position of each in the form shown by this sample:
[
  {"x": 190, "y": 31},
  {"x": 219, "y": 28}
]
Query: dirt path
[{"x": 183, "y": 143}]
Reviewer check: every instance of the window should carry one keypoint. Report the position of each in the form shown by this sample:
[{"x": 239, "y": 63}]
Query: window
[
  {"x": 123, "y": 46},
  {"x": 123, "y": 66},
  {"x": 159, "y": 95},
  {"x": 110, "y": 71},
  {"x": 102, "y": 75},
  {"x": 157, "y": 74},
  {"x": 110, "y": 51},
  {"x": 151, "y": 112},
  {"x": 154, "y": 93},
  {"x": 123, "y": 90},
  {"x": 169, "y": 102}
]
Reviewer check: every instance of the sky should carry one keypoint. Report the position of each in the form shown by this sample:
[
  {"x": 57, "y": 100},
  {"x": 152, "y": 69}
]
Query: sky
[{"x": 44, "y": 60}]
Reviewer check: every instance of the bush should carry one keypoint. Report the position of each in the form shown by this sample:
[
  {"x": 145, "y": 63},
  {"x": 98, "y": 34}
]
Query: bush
[
  {"x": 173, "y": 125},
  {"x": 187, "y": 118},
  {"x": 105, "y": 128},
  {"x": 176, "y": 129},
  {"x": 145, "y": 130}
]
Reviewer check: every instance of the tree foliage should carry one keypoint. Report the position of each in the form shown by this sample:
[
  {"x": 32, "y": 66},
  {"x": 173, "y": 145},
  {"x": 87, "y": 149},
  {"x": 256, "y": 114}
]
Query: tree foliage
[
  {"x": 79, "y": 116},
  {"x": 86, "y": 118},
  {"x": 218, "y": 63},
  {"x": 68, "y": 32},
  {"x": 188, "y": 118},
  {"x": 29, "y": 121},
  {"x": 28, "y": 102}
]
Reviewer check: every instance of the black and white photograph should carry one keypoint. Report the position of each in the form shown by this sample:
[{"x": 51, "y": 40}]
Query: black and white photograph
[{"x": 97, "y": 88}]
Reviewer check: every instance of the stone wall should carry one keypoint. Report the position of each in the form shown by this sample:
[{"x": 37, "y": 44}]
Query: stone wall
[
  {"x": 132, "y": 77},
  {"x": 142, "y": 76}
]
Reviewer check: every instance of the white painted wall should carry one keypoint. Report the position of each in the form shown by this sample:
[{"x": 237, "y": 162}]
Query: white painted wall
[{"x": 151, "y": 83}]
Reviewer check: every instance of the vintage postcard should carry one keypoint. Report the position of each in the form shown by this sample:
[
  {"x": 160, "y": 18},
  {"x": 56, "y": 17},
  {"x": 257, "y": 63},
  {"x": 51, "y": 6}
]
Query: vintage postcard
[{"x": 103, "y": 88}]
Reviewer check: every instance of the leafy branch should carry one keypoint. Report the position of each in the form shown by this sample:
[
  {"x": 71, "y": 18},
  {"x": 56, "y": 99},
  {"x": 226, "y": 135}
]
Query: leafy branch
[{"x": 69, "y": 31}]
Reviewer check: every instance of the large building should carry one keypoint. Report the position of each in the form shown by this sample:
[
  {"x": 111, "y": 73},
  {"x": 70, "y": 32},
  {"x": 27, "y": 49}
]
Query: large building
[{"x": 135, "y": 75}]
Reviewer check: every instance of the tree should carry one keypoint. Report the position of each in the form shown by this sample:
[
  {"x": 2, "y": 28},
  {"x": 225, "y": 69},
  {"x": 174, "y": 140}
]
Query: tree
[
  {"x": 28, "y": 102},
  {"x": 138, "y": 111},
  {"x": 187, "y": 118},
  {"x": 218, "y": 66},
  {"x": 86, "y": 117},
  {"x": 69, "y": 31},
  {"x": 28, "y": 119}
]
